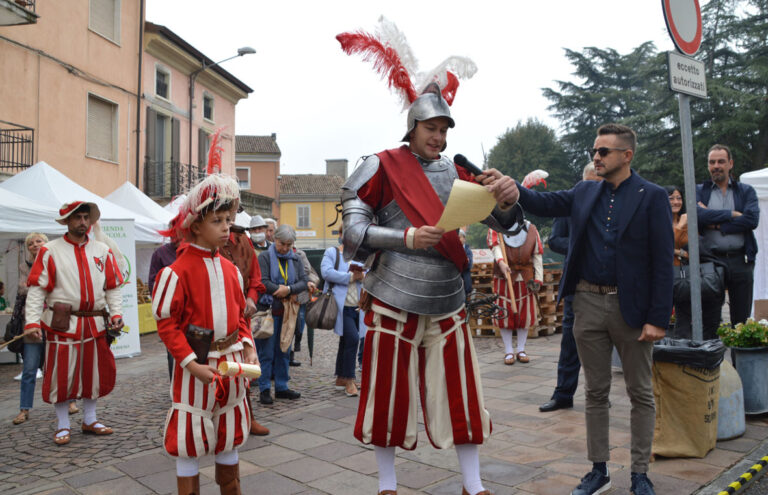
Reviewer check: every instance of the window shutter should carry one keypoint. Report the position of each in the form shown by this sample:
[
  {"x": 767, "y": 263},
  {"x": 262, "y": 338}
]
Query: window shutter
[
  {"x": 103, "y": 19},
  {"x": 202, "y": 149},
  {"x": 175, "y": 140},
  {"x": 101, "y": 129}
]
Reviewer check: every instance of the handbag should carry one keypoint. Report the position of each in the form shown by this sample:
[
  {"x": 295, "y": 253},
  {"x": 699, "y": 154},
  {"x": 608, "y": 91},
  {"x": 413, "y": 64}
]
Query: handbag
[
  {"x": 322, "y": 312},
  {"x": 15, "y": 325},
  {"x": 712, "y": 282},
  {"x": 262, "y": 325}
]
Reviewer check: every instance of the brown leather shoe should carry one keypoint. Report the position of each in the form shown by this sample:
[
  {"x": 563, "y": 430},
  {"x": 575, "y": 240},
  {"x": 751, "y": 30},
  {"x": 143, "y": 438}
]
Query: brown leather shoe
[
  {"x": 484, "y": 492},
  {"x": 21, "y": 417},
  {"x": 96, "y": 430},
  {"x": 340, "y": 384},
  {"x": 228, "y": 478},
  {"x": 388, "y": 492},
  {"x": 523, "y": 357},
  {"x": 188, "y": 485},
  {"x": 61, "y": 440},
  {"x": 351, "y": 389},
  {"x": 257, "y": 429}
]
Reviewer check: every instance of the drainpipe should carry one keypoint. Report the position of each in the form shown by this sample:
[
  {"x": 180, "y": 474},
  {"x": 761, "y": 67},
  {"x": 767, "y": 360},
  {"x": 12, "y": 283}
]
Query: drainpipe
[{"x": 138, "y": 91}]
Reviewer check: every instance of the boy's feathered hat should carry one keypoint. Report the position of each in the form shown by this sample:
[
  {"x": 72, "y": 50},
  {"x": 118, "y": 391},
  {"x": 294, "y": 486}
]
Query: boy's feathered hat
[
  {"x": 393, "y": 59},
  {"x": 211, "y": 193}
]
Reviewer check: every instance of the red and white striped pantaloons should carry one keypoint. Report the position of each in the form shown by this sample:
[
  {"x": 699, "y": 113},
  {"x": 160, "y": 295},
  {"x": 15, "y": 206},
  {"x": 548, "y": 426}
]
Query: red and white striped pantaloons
[
  {"x": 408, "y": 357},
  {"x": 526, "y": 306},
  {"x": 82, "y": 366},
  {"x": 198, "y": 423}
]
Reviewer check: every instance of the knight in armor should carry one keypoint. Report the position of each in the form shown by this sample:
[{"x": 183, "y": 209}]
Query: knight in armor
[
  {"x": 523, "y": 255},
  {"x": 418, "y": 347}
]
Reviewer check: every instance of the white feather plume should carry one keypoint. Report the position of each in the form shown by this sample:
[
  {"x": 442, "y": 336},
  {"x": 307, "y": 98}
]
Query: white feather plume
[
  {"x": 387, "y": 32},
  {"x": 462, "y": 67},
  {"x": 226, "y": 191}
]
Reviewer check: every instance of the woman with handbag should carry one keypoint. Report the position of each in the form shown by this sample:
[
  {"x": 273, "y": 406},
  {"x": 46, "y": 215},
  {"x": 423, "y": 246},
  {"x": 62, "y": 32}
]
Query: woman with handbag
[
  {"x": 712, "y": 277},
  {"x": 33, "y": 351},
  {"x": 283, "y": 276},
  {"x": 344, "y": 281}
]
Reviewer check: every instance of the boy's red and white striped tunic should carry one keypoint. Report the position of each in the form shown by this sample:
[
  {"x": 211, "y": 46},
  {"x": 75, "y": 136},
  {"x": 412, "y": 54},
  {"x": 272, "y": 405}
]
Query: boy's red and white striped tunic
[
  {"x": 78, "y": 362},
  {"x": 203, "y": 289}
]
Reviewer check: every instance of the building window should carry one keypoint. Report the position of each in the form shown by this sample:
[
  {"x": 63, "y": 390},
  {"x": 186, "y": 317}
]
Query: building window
[
  {"x": 302, "y": 215},
  {"x": 104, "y": 18},
  {"x": 208, "y": 107},
  {"x": 162, "y": 82},
  {"x": 101, "y": 137},
  {"x": 243, "y": 177}
]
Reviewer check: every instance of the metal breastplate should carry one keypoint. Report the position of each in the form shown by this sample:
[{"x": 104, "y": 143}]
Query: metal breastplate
[{"x": 418, "y": 281}]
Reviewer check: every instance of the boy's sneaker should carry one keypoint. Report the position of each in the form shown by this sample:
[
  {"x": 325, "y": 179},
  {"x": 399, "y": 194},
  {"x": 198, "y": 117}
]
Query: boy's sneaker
[
  {"x": 593, "y": 483},
  {"x": 641, "y": 485}
]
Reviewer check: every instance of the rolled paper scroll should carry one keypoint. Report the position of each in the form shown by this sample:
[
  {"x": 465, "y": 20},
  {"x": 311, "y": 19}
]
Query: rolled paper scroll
[{"x": 231, "y": 368}]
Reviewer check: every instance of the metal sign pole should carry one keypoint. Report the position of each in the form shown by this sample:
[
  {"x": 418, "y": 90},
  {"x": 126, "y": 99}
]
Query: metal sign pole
[{"x": 690, "y": 206}]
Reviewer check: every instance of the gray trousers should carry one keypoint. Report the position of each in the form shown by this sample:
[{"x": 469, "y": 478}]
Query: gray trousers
[{"x": 599, "y": 326}]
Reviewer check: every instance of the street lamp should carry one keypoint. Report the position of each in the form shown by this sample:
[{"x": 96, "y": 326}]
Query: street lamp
[{"x": 246, "y": 50}]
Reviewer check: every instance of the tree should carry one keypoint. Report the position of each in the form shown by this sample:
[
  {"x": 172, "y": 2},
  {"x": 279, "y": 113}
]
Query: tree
[{"x": 632, "y": 89}]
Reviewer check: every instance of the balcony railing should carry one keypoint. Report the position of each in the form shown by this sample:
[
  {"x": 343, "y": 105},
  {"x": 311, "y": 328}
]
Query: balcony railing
[
  {"x": 16, "y": 12},
  {"x": 17, "y": 147},
  {"x": 168, "y": 179}
]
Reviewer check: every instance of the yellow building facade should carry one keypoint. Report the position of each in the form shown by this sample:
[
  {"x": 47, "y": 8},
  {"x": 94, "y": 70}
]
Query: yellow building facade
[{"x": 308, "y": 204}]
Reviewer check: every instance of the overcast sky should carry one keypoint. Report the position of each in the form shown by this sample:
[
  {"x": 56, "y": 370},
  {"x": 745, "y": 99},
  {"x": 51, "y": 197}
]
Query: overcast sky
[{"x": 323, "y": 103}]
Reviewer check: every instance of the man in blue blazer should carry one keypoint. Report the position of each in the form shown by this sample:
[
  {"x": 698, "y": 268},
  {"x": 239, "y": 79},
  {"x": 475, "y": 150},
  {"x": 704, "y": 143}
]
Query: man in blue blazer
[{"x": 619, "y": 269}]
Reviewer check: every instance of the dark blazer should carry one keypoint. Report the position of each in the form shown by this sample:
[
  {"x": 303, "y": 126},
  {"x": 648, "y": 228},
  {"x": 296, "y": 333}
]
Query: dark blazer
[
  {"x": 744, "y": 201},
  {"x": 558, "y": 239},
  {"x": 644, "y": 248}
]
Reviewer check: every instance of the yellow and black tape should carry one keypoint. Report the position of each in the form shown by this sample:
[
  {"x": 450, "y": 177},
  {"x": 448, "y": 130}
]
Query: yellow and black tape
[{"x": 746, "y": 477}]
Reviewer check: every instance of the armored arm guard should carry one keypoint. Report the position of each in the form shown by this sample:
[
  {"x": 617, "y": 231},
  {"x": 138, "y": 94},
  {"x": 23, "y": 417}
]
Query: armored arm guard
[{"x": 362, "y": 237}]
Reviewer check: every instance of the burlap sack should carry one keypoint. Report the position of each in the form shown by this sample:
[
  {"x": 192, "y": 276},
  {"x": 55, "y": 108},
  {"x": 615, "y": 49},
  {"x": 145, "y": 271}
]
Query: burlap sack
[
  {"x": 290, "y": 313},
  {"x": 686, "y": 409}
]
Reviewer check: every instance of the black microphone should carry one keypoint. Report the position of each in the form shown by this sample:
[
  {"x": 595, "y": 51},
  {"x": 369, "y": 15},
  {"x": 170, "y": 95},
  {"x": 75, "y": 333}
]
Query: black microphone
[{"x": 462, "y": 161}]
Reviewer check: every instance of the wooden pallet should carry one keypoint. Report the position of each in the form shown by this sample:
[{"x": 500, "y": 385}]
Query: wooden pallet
[{"x": 483, "y": 327}]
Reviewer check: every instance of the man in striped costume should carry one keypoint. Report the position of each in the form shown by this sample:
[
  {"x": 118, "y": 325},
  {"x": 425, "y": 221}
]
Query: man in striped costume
[
  {"x": 522, "y": 259},
  {"x": 71, "y": 283}
]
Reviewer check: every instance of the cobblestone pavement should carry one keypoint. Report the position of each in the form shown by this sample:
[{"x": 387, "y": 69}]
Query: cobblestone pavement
[{"x": 311, "y": 449}]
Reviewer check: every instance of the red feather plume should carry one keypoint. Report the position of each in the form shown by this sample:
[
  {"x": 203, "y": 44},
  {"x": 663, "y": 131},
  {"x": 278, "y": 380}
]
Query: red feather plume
[
  {"x": 449, "y": 91},
  {"x": 385, "y": 59},
  {"x": 214, "y": 153}
]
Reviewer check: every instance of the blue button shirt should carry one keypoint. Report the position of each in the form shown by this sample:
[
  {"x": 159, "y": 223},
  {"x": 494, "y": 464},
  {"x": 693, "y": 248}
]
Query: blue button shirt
[{"x": 598, "y": 262}]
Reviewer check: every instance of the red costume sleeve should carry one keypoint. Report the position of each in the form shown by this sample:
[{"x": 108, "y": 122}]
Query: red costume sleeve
[
  {"x": 112, "y": 273},
  {"x": 43, "y": 271},
  {"x": 255, "y": 287},
  {"x": 168, "y": 302}
]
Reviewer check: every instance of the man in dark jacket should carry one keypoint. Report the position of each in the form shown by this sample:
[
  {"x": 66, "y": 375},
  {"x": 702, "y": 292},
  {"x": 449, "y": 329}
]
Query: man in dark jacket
[
  {"x": 619, "y": 268},
  {"x": 568, "y": 364},
  {"x": 728, "y": 212}
]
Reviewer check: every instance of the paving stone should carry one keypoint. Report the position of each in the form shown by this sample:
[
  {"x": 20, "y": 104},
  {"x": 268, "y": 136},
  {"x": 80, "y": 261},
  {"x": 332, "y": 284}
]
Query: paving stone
[
  {"x": 307, "y": 469},
  {"x": 163, "y": 482},
  {"x": 271, "y": 483},
  {"x": 550, "y": 484},
  {"x": 149, "y": 464},
  {"x": 346, "y": 483},
  {"x": 112, "y": 487},
  {"x": 300, "y": 440},
  {"x": 92, "y": 477},
  {"x": 271, "y": 455},
  {"x": 334, "y": 451},
  {"x": 418, "y": 476}
]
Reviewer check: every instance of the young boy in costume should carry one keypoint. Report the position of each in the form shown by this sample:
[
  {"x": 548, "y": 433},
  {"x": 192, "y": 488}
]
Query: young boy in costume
[{"x": 202, "y": 290}]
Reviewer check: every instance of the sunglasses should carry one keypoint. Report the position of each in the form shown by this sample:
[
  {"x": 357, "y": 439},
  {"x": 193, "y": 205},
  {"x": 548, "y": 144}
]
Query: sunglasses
[{"x": 603, "y": 151}]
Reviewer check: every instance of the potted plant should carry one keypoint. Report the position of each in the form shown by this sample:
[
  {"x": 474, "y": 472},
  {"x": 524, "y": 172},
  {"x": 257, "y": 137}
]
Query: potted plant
[{"x": 748, "y": 342}]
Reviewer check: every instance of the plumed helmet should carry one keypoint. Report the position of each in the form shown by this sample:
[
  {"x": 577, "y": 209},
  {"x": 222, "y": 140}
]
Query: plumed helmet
[{"x": 429, "y": 105}]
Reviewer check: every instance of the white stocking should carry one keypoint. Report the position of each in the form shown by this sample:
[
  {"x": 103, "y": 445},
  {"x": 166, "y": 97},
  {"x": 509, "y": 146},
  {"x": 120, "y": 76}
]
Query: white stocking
[
  {"x": 385, "y": 458},
  {"x": 187, "y": 466},
  {"x": 89, "y": 412},
  {"x": 228, "y": 458},
  {"x": 506, "y": 337},
  {"x": 469, "y": 462},
  {"x": 522, "y": 336},
  {"x": 62, "y": 414}
]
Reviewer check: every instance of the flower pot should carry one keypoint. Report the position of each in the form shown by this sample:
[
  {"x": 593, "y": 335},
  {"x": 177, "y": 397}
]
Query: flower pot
[{"x": 752, "y": 365}]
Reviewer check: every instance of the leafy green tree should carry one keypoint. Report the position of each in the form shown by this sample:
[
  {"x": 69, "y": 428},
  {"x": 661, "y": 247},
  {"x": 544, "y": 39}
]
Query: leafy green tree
[{"x": 632, "y": 89}]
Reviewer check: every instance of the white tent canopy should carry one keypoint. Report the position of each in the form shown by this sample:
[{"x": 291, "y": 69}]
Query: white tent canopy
[
  {"x": 20, "y": 215},
  {"x": 759, "y": 180},
  {"x": 45, "y": 185},
  {"x": 130, "y": 197}
]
